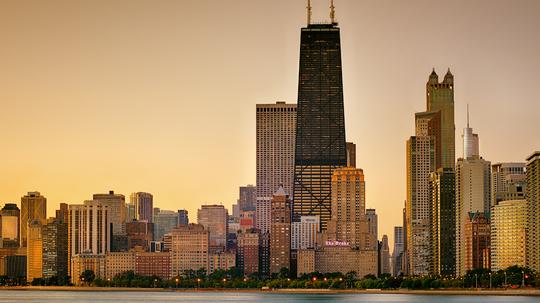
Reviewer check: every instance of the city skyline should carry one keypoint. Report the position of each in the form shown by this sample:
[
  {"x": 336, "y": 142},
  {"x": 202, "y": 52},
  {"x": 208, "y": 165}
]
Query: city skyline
[{"x": 69, "y": 137}]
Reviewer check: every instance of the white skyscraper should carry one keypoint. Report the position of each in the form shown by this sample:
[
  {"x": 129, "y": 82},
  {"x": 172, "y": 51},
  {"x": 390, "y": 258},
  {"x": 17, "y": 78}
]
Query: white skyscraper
[
  {"x": 276, "y": 129},
  {"x": 304, "y": 233},
  {"x": 473, "y": 193},
  {"x": 471, "y": 146}
]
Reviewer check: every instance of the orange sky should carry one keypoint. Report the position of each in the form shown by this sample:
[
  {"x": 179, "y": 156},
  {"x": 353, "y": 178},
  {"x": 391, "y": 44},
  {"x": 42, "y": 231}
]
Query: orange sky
[{"x": 160, "y": 96}]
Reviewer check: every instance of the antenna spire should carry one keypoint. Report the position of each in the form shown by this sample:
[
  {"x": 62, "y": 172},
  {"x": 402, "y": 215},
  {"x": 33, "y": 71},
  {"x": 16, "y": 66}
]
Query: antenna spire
[
  {"x": 332, "y": 12},
  {"x": 467, "y": 115},
  {"x": 308, "y": 12}
]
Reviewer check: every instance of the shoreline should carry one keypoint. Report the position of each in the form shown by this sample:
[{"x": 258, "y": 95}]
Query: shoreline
[{"x": 532, "y": 292}]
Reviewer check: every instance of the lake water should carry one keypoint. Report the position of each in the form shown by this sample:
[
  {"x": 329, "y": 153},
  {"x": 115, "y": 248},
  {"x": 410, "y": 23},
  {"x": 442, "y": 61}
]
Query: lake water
[{"x": 134, "y": 297}]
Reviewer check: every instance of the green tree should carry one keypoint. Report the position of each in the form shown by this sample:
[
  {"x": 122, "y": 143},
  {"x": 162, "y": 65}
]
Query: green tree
[{"x": 87, "y": 276}]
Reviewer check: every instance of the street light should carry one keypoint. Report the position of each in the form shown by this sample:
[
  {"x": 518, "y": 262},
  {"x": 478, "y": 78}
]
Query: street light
[
  {"x": 314, "y": 279},
  {"x": 490, "y": 280},
  {"x": 505, "y": 283},
  {"x": 198, "y": 282},
  {"x": 476, "y": 278},
  {"x": 177, "y": 280},
  {"x": 522, "y": 278}
]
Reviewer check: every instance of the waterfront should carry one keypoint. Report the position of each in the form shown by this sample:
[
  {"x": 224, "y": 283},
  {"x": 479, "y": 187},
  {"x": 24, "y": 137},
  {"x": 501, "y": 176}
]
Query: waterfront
[{"x": 33, "y": 296}]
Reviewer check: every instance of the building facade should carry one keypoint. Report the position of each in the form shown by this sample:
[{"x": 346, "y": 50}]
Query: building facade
[
  {"x": 10, "y": 216},
  {"x": 214, "y": 218},
  {"x": 55, "y": 248},
  {"x": 349, "y": 221},
  {"x": 280, "y": 232},
  {"x": 533, "y": 211},
  {"x": 304, "y": 233},
  {"x": 330, "y": 259},
  {"x": 33, "y": 207},
  {"x": 143, "y": 206},
  {"x": 397, "y": 254},
  {"x": 508, "y": 230},
  {"x": 248, "y": 252},
  {"x": 508, "y": 181},
  {"x": 190, "y": 248},
  {"x": 477, "y": 241}
]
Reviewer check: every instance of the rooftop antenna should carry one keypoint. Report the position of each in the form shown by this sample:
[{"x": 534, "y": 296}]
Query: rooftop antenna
[
  {"x": 467, "y": 115},
  {"x": 332, "y": 12},
  {"x": 308, "y": 12}
]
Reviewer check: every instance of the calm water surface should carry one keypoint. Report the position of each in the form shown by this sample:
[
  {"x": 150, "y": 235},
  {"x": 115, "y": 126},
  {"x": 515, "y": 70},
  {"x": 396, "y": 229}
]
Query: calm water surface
[{"x": 134, "y": 297}]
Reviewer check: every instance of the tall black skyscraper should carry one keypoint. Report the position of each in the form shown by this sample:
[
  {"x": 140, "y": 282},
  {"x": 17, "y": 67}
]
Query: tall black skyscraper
[{"x": 320, "y": 129}]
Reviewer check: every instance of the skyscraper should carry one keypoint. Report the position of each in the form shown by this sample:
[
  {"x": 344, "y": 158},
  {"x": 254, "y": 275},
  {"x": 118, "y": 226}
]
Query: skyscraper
[
  {"x": 214, "y": 219},
  {"x": 247, "y": 198},
  {"x": 432, "y": 148},
  {"x": 477, "y": 241},
  {"x": 116, "y": 204},
  {"x": 276, "y": 129},
  {"x": 508, "y": 230},
  {"x": 349, "y": 222},
  {"x": 385, "y": 256},
  {"x": 533, "y": 211},
  {"x": 320, "y": 129},
  {"x": 33, "y": 207},
  {"x": 473, "y": 194},
  {"x": 280, "y": 232},
  {"x": 351, "y": 154},
  {"x": 89, "y": 228},
  {"x": 440, "y": 98},
  {"x": 373, "y": 228},
  {"x": 9, "y": 225},
  {"x": 443, "y": 222},
  {"x": 248, "y": 252},
  {"x": 144, "y": 205},
  {"x": 34, "y": 254},
  {"x": 397, "y": 254},
  {"x": 55, "y": 248},
  {"x": 471, "y": 145}
]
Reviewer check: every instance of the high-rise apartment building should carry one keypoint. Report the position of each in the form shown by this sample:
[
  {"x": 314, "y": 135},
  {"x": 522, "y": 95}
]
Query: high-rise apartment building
[
  {"x": 55, "y": 248},
  {"x": 89, "y": 228},
  {"x": 276, "y": 129},
  {"x": 34, "y": 251},
  {"x": 397, "y": 254},
  {"x": 165, "y": 220},
  {"x": 9, "y": 225},
  {"x": 443, "y": 222},
  {"x": 33, "y": 207},
  {"x": 144, "y": 205},
  {"x": 420, "y": 164},
  {"x": 477, "y": 236},
  {"x": 508, "y": 181},
  {"x": 533, "y": 211},
  {"x": 320, "y": 132},
  {"x": 349, "y": 222},
  {"x": 280, "y": 232},
  {"x": 473, "y": 194},
  {"x": 140, "y": 235},
  {"x": 189, "y": 249},
  {"x": 116, "y": 204},
  {"x": 247, "y": 198},
  {"x": 508, "y": 230},
  {"x": 214, "y": 218}
]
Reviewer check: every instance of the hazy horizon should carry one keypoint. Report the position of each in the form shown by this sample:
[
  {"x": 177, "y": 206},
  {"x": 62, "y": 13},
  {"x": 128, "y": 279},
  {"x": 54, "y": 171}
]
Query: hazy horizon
[{"x": 159, "y": 96}]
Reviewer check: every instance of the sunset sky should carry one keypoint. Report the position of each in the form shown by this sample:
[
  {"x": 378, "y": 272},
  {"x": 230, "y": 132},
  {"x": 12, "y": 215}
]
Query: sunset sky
[{"x": 159, "y": 96}]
